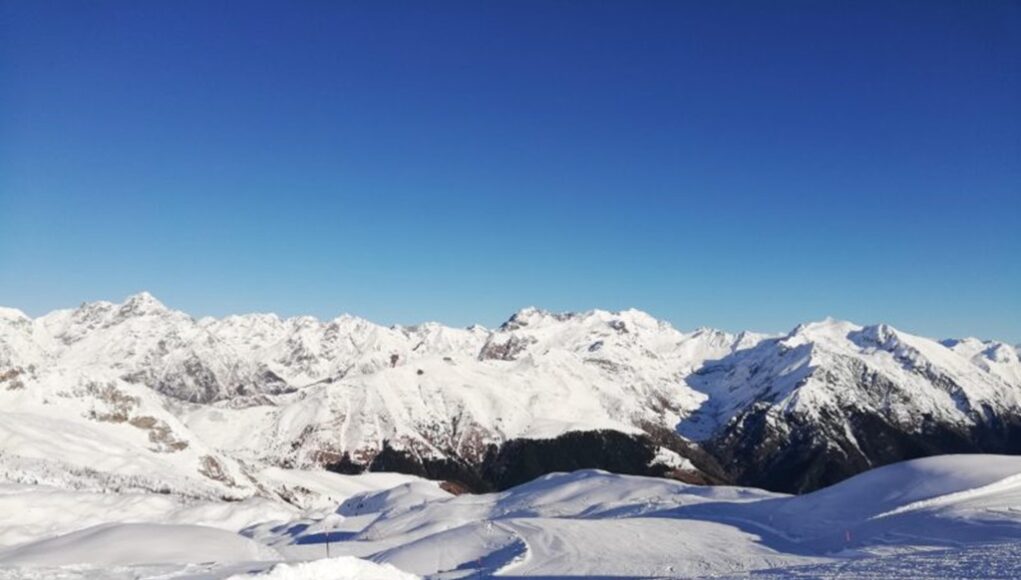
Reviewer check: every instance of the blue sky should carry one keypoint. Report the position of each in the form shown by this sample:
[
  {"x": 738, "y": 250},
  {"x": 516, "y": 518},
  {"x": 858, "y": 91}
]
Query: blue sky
[{"x": 738, "y": 165}]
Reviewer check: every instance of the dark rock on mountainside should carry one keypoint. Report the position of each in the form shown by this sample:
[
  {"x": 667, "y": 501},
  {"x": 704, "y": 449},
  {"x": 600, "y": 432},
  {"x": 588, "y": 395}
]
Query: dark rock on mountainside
[
  {"x": 521, "y": 460},
  {"x": 445, "y": 469},
  {"x": 800, "y": 455}
]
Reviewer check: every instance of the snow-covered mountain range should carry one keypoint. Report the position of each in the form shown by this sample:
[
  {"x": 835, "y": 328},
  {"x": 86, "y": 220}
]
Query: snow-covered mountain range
[{"x": 137, "y": 395}]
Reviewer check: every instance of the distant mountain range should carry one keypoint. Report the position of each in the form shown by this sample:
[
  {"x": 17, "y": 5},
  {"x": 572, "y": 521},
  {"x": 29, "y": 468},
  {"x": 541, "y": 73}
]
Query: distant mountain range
[{"x": 139, "y": 396}]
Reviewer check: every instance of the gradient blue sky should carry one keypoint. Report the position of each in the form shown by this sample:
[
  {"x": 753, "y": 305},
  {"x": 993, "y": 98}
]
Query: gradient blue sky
[{"x": 738, "y": 165}]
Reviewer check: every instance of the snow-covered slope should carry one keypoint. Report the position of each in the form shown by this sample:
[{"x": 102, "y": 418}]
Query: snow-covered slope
[
  {"x": 832, "y": 399},
  {"x": 211, "y": 396},
  {"x": 143, "y": 534},
  {"x": 998, "y": 358},
  {"x": 90, "y": 431},
  {"x": 592, "y": 523},
  {"x": 810, "y": 369},
  {"x": 132, "y": 544},
  {"x": 934, "y": 513},
  {"x": 137, "y": 395}
]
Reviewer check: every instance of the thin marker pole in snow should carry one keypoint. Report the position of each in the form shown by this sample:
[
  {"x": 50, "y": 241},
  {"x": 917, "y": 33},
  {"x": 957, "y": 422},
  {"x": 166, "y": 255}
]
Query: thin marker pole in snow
[{"x": 327, "y": 544}]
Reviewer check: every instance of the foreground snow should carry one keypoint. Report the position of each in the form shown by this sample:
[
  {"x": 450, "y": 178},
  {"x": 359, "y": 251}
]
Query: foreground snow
[
  {"x": 342, "y": 568},
  {"x": 1001, "y": 560},
  {"x": 133, "y": 544},
  {"x": 956, "y": 516}
]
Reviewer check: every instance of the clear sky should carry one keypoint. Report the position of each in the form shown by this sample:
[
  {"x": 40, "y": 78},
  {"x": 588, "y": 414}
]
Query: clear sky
[{"x": 737, "y": 165}]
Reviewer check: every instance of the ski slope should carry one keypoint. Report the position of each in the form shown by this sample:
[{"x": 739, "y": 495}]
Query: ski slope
[{"x": 956, "y": 515}]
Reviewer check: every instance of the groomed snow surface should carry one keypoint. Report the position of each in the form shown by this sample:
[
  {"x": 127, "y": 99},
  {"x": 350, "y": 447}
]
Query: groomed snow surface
[{"x": 947, "y": 516}]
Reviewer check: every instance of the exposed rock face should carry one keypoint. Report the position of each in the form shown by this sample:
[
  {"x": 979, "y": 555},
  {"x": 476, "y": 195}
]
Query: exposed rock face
[
  {"x": 507, "y": 350},
  {"x": 803, "y": 454},
  {"x": 832, "y": 400}
]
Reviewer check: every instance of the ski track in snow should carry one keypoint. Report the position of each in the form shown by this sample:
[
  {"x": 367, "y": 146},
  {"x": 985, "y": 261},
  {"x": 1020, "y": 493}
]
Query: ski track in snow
[
  {"x": 1006, "y": 484},
  {"x": 953, "y": 516}
]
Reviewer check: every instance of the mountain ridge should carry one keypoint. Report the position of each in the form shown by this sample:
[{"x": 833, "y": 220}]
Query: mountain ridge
[{"x": 260, "y": 390}]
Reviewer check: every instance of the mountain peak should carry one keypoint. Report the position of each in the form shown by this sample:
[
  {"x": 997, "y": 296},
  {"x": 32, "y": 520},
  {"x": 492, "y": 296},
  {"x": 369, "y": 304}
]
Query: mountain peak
[
  {"x": 12, "y": 314},
  {"x": 531, "y": 315},
  {"x": 827, "y": 327},
  {"x": 141, "y": 303}
]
